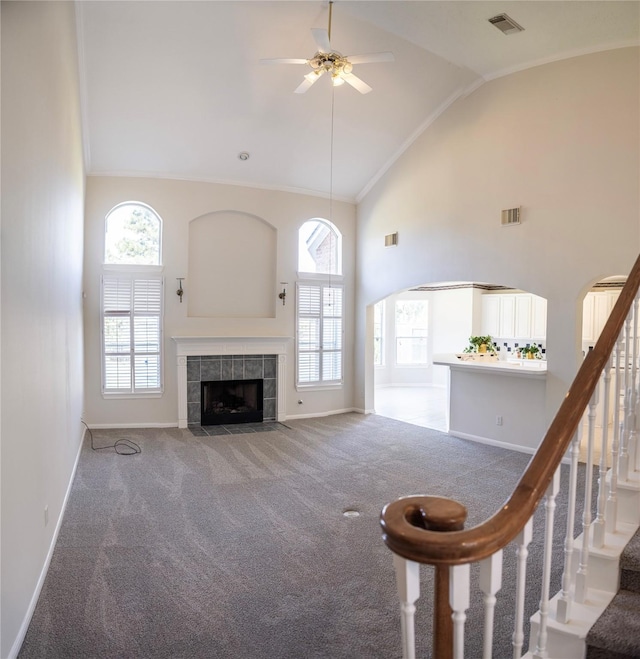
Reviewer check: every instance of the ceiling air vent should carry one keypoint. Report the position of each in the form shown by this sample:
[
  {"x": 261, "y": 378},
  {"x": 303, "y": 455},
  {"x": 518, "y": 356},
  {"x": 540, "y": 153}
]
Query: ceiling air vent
[
  {"x": 505, "y": 24},
  {"x": 510, "y": 216}
]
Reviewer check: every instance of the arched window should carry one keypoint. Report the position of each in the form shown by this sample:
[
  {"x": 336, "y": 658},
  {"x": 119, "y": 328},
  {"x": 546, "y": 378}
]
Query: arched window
[
  {"x": 132, "y": 235},
  {"x": 319, "y": 248},
  {"x": 132, "y": 302},
  {"x": 319, "y": 306}
]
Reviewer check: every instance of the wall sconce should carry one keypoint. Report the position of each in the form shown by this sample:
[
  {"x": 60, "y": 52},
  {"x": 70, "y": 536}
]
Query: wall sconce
[
  {"x": 180, "y": 291},
  {"x": 283, "y": 295}
]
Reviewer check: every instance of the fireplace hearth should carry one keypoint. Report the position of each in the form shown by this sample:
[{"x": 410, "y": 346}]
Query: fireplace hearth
[{"x": 231, "y": 401}]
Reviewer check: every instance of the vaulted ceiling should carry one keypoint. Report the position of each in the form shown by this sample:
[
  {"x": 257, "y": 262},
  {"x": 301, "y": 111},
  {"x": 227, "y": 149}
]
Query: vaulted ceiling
[{"x": 176, "y": 88}]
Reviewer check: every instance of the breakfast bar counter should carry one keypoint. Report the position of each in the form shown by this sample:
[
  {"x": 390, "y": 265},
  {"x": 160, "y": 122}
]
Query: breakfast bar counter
[{"x": 496, "y": 402}]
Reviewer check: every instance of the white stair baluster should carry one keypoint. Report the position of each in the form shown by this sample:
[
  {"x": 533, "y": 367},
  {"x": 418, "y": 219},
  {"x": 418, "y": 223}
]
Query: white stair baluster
[
  {"x": 408, "y": 582},
  {"x": 523, "y": 539},
  {"x": 633, "y": 403},
  {"x": 623, "y": 462},
  {"x": 459, "y": 600},
  {"x": 564, "y": 601},
  {"x": 581, "y": 575},
  {"x": 490, "y": 581},
  {"x": 611, "y": 513},
  {"x": 549, "y": 507},
  {"x": 598, "y": 524}
]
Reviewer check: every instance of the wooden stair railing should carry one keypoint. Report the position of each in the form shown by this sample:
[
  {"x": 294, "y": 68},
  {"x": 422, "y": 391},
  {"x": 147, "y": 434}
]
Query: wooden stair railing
[{"x": 429, "y": 530}]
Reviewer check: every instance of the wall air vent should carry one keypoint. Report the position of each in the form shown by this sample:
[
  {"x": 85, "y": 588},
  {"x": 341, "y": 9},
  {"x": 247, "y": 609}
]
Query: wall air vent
[
  {"x": 391, "y": 240},
  {"x": 505, "y": 24},
  {"x": 510, "y": 216}
]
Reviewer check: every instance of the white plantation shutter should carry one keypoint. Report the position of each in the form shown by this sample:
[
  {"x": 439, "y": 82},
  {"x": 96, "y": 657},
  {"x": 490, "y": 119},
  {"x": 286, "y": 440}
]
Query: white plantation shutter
[
  {"x": 132, "y": 334},
  {"x": 319, "y": 333}
]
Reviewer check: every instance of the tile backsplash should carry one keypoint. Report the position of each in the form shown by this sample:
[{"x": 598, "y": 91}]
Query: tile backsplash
[{"x": 509, "y": 347}]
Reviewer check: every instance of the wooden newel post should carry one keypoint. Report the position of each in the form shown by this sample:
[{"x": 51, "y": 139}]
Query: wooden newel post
[
  {"x": 431, "y": 514},
  {"x": 443, "y": 515}
]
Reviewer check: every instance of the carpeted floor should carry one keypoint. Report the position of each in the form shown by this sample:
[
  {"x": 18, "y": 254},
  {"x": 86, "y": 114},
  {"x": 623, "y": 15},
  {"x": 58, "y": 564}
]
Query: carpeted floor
[{"x": 237, "y": 547}]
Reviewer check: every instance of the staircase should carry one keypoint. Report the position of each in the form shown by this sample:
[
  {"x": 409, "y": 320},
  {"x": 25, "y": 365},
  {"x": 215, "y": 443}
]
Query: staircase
[
  {"x": 616, "y": 634},
  {"x": 607, "y": 624},
  {"x": 596, "y": 614}
]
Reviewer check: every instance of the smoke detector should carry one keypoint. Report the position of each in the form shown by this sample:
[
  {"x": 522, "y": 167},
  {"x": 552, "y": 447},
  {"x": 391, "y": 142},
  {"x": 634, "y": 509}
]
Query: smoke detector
[{"x": 505, "y": 24}]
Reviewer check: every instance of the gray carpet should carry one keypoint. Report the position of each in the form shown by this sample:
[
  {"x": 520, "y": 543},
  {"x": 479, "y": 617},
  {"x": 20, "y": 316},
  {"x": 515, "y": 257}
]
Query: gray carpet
[{"x": 236, "y": 546}]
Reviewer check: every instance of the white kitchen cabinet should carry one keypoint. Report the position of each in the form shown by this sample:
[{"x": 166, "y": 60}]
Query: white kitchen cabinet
[
  {"x": 514, "y": 316},
  {"x": 490, "y": 315},
  {"x": 523, "y": 316},
  {"x": 588, "y": 317},
  {"x": 538, "y": 318},
  {"x": 596, "y": 307},
  {"x": 507, "y": 316}
]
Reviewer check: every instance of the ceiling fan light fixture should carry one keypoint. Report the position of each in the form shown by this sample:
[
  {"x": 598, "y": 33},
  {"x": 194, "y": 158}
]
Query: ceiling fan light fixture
[{"x": 337, "y": 80}]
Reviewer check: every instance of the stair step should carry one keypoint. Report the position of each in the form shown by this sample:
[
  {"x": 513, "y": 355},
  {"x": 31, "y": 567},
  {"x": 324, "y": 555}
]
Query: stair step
[
  {"x": 630, "y": 565},
  {"x": 628, "y": 498},
  {"x": 569, "y": 640},
  {"x": 604, "y": 562},
  {"x": 616, "y": 633}
]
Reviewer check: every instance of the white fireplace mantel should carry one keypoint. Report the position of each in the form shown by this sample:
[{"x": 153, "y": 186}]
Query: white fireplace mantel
[{"x": 192, "y": 346}]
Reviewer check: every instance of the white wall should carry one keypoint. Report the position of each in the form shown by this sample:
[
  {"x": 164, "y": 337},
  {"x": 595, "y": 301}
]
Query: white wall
[
  {"x": 560, "y": 140},
  {"x": 177, "y": 203},
  {"x": 42, "y": 236}
]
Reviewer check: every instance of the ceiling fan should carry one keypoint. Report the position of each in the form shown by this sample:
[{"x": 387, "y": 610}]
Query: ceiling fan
[{"x": 329, "y": 61}]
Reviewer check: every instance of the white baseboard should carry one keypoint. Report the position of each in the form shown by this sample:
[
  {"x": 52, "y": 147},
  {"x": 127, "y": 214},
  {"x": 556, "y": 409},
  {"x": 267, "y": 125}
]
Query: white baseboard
[
  {"x": 17, "y": 644},
  {"x": 495, "y": 442},
  {"x": 119, "y": 426},
  {"x": 293, "y": 417},
  {"x": 423, "y": 385}
]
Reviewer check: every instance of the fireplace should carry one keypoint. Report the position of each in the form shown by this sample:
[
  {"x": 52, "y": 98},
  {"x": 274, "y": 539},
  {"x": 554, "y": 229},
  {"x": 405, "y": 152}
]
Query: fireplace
[
  {"x": 231, "y": 401},
  {"x": 217, "y": 358}
]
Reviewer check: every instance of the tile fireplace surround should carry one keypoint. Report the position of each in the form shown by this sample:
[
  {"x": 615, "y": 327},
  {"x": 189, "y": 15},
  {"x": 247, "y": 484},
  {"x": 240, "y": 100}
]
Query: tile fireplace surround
[{"x": 204, "y": 346}]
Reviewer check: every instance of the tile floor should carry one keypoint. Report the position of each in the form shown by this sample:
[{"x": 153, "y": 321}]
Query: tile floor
[{"x": 422, "y": 406}]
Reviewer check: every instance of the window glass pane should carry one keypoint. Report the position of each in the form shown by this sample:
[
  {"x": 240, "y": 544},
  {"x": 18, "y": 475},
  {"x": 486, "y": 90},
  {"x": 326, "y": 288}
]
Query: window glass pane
[
  {"x": 331, "y": 366},
  {"x": 319, "y": 248},
  {"x": 146, "y": 333},
  {"x": 132, "y": 235},
  {"x": 411, "y": 350},
  {"x": 378, "y": 329},
  {"x": 411, "y": 331},
  {"x": 117, "y": 372},
  {"x": 332, "y": 301},
  {"x": 308, "y": 300},
  {"x": 117, "y": 334},
  {"x": 147, "y": 296},
  {"x": 309, "y": 334},
  {"x": 308, "y": 367},
  {"x": 147, "y": 371},
  {"x": 332, "y": 334},
  {"x": 116, "y": 295}
]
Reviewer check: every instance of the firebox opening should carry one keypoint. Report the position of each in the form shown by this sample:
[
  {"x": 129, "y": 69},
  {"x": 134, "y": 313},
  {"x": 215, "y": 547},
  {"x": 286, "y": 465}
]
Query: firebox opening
[{"x": 231, "y": 401}]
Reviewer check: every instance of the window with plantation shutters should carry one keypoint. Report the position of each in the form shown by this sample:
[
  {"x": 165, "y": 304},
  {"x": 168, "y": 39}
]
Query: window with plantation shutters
[
  {"x": 319, "y": 334},
  {"x": 132, "y": 334}
]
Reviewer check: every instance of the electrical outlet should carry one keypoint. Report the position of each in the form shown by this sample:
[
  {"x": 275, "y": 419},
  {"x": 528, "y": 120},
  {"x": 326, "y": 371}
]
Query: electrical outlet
[
  {"x": 498, "y": 421},
  {"x": 46, "y": 515}
]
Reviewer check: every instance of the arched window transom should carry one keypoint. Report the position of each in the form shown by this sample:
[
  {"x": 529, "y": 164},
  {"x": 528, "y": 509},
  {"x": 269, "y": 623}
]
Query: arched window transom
[
  {"x": 319, "y": 248},
  {"x": 132, "y": 235}
]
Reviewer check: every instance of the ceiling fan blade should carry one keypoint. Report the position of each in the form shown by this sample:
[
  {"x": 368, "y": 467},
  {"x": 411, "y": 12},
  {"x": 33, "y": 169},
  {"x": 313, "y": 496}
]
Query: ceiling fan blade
[
  {"x": 321, "y": 37},
  {"x": 371, "y": 57},
  {"x": 356, "y": 83},
  {"x": 309, "y": 80},
  {"x": 284, "y": 60}
]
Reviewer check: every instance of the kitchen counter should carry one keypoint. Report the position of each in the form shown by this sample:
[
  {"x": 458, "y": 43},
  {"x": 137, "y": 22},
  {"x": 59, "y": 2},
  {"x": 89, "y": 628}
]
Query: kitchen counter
[
  {"x": 533, "y": 368},
  {"x": 496, "y": 402}
]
